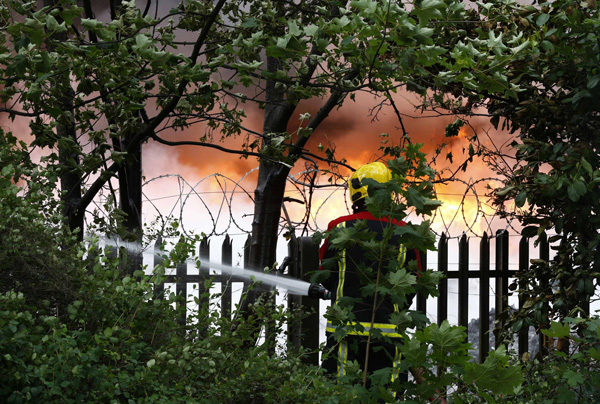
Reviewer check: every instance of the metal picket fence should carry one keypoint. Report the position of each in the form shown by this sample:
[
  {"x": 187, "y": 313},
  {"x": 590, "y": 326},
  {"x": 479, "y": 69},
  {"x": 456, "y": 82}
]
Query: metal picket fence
[{"x": 303, "y": 258}]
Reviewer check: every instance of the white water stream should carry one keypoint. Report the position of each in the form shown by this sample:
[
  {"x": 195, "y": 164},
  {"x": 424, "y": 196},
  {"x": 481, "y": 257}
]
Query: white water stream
[{"x": 293, "y": 286}]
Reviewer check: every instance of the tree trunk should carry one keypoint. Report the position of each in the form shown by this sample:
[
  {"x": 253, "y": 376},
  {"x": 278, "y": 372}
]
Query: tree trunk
[
  {"x": 272, "y": 178},
  {"x": 130, "y": 180},
  {"x": 70, "y": 178},
  {"x": 268, "y": 198},
  {"x": 130, "y": 190}
]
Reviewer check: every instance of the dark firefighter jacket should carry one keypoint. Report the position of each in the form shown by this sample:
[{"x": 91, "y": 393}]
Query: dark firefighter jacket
[{"x": 345, "y": 280}]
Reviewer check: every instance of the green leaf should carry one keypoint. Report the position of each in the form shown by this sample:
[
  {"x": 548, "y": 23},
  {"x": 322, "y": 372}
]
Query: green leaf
[
  {"x": 249, "y": 22},
  {"x": 542, "y": 19},
  {"x": 496, "y": 44},
  {"x": 363, "y": 4},
  {"x": 521, "y": 199},
  {"x": 452, "y": 129},
  {"x": 573, "y": 378},
  {"x": 580, "y": 187},
  {"x": 311, "y": 30},
  {"x": 505, "y": 191},
  {"x": 429, "y": 9},
  {"x": 547, "y": 46},
  {"x": 401, "y": 320},
  {"x": 573, "y": 195},
  {"x": 344, "y": 237},
  {"x": 414, "y": 352},
  {"x": 7, "y": 169},
  {"x": 53, "y": 25},
  {"x": 427, "y": 283},
  {"x": 517, "y": 325},
  {"x": 414, "y": 198},
  {"x": 293, "y": 28},
  {"x": 587, "y": 166},
  {"x": 91, "y": 24},
  {"x": 567, "y": 396},
  {"x": 519, "y": 48},
  {"x": 494, "y": 374},
  {"x": 558, "y": 330},
  {"x": 142, "y": 41},
  {"x": 401, "y": 281},
  {"x": 579, "y": 95},
  {"x": 529, "y": 231},
  {"x": 150, "y": 363},
  {"x": 445, "y": 338},
  {"x": 593, "y": 81}
]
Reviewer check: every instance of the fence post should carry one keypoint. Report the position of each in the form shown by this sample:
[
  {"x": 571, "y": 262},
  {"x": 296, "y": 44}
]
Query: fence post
[
  {"x": 442, "y": 304},
  {"x": 181, "y": 289},
  {"x": 157, "y": 259},
  {"x": 204, "y": 272},
  {"x": 308, "y": 257},
  {"x": 134, "y": 259},
  {"x": 544, "y": 255},
  {"x": 501, "y": 282},
  {"x": 523, "y": 267},
  {"x": 484, "y": 297},
  {"x": 294, "y": 326},
  {"x": 226, "y": 259},
  {"x": 422, "y": 300},
  {"x": 442, "y": 312},
  {"x": 463, "y": 281},
  {"x": 246, "y": 251},
  {"x": 130, "y": 259},
  {"x": 246, "y": 259}
]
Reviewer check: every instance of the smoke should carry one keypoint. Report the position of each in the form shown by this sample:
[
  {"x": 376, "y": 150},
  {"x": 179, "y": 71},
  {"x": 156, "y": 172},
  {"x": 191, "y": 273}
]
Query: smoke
[{"x": 353, "y": 131}]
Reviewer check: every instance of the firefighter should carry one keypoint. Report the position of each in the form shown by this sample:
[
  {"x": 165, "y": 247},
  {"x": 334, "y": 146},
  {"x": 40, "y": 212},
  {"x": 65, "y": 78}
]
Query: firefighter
[{"x": 348, "y": 274}]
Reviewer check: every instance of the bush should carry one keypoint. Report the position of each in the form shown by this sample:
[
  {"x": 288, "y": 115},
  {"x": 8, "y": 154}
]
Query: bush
[
  {"x": 564, "y": 377},
  {"x": 30, "y": 232},
  {"x": 74, "y": 328},
  {"x": 121, "y": 345}
]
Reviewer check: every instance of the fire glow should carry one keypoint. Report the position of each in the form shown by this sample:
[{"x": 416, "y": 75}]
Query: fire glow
[{"x": 356, "y": 138}]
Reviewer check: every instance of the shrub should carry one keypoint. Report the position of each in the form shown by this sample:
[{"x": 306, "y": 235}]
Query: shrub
[{"x": 75, "y": 328}]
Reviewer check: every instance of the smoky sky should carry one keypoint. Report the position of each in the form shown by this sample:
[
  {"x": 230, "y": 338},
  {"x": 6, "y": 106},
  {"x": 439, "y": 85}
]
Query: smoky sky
[{"x": 352, "y": 129}]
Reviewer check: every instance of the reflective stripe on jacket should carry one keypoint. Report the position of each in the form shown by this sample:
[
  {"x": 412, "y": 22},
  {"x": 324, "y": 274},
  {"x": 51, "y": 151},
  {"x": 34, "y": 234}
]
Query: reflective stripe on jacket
[{"x": 347, "y": 278}]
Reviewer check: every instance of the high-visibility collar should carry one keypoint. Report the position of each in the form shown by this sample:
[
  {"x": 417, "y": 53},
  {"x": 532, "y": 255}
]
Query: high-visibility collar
[{"x": 351, "y": 328}]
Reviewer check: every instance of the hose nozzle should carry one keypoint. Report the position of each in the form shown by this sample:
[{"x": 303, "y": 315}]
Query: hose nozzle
[{"x": 317, "y": 290}]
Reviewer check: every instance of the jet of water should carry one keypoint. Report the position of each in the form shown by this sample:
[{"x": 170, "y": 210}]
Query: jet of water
[{"x": 293, "y": 286}]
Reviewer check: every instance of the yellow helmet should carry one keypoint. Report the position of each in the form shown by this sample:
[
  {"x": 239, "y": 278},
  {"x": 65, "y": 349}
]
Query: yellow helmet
[{"x": 376, "y": 171}]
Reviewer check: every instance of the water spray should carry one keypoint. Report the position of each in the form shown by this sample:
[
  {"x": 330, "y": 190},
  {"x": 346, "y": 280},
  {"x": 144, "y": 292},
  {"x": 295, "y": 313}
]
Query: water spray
[{"x": 293, "y": 286}]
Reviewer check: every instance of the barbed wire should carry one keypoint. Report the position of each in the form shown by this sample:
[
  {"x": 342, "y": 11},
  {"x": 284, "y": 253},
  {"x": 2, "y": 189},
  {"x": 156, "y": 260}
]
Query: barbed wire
[{"x": 223, "y": 202}]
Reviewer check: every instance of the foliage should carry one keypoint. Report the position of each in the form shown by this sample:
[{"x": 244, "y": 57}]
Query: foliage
[
  {"x": 112, "y": 340},
  {"x": 554, "y": 181},
  {"x": 137, "y": 77},
  {"x": 30, "y": 217},
  {"x": 538, "y": 79},
  {"x": 74, "y": 327},
  {"x": 74, "y": 321},
  {"x": 121, "y": 346},
  {"x": 564, "y": 377},
  {"x": 95, "y": 91},
  {"x": 552, "y": 186},
  {"x": 116, "y": 342}
]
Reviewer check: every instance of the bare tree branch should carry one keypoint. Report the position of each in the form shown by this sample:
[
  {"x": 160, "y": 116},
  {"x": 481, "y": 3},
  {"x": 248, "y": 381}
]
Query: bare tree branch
[{"x": 214, "y": 146}]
